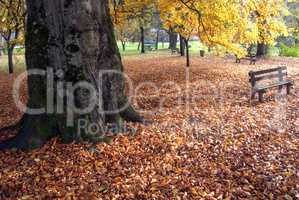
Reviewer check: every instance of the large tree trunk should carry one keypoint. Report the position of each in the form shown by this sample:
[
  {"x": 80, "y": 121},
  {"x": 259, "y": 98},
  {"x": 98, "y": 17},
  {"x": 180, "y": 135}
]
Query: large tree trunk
[
  {"x": 75, "y": 40},
  {"x": 142, "y": 39},
  {"x": 10, "y": 59},
  {"x": 261, "y": 50}
]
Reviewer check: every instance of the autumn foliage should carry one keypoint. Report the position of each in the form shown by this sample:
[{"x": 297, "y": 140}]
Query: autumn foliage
[{"x": 221, "y": 148}]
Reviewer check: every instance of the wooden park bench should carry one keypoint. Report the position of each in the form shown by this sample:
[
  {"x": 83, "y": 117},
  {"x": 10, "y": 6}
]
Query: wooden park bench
[
  {"x": 260, "y": 81},
  {"x": 149, "y": 45},
  {"x": 250, "y": 57},
  {"x": 176, "y": 50}
]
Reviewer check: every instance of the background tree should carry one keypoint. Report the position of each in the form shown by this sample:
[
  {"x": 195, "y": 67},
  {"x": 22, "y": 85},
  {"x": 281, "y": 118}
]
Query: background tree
[
  {"x": 268, "y": 17},
  {"x": 173, "y": 38},
  {"x": 12, "y": 21},
  {"x": 157, "y": 26},
  {"x": 75, "y": 40},
  {"x": 140, "y": 10},
  {"x": 125, "y": 31},
  {"x": 227, "y": 24},
  {"x": 292, "y": 23},
  {"x": 182, "y": 21}
]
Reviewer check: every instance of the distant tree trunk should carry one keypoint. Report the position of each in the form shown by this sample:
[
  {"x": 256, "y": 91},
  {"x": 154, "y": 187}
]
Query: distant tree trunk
[
  {"x": 187, "y": 52},
  {"x": 157, "y": 39},
  {"x": 123, "y": 44},
  {"x": 173, "y": 37},
  {"x": 10, "y": 50},
  {"x": 182, "y": 46},
  {"x": 261, "y": 50},
  {"x": 75, "y": 40},
  {"x": 142, "y": 39}
]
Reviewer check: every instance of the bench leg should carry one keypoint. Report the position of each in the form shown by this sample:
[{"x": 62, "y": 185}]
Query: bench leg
[
  {"x": 280, "y": 88},
  {"x": 261, "y": 96}
]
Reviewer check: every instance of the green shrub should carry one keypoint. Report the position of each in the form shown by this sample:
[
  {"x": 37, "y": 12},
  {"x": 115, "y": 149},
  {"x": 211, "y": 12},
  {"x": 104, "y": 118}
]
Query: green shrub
[{"x": 273, "y": 51}]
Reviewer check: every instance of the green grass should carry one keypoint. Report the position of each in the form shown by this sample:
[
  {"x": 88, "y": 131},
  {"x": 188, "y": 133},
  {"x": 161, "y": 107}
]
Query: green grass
[
  {"x": 132, "y": 48},
  {"x": 19, "y": 63},
  {"x": 290, "y": 51},
  {"x": 17, "y": 51}
]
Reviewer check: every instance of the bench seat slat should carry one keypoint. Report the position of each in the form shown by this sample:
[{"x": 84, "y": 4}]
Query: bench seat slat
[{"x": 264, "y": 87}]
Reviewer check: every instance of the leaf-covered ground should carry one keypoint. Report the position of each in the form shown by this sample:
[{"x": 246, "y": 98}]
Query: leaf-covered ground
[{"x": 207, "y": 141}]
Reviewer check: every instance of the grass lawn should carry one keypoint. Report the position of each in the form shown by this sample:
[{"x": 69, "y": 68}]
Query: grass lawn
[
  {"x": 131, "y": 48},
  {"x": 290, "y": 51},
  {"x": 19, "y": 63}
]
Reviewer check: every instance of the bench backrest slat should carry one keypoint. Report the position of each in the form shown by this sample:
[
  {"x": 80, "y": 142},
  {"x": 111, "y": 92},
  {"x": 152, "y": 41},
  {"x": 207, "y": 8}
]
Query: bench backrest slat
[
  {"x": 271, "y": 76},
  {"x": 279, "y": 73},
  {"x": 255, "y": 73}
]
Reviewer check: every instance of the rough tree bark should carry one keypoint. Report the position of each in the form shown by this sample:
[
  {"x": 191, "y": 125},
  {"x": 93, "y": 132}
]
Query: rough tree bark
[{"x": 75, "y": 39}]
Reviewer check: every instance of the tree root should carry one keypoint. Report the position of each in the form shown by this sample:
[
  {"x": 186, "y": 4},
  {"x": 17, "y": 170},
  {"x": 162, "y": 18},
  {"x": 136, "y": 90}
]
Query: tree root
[
  {"x": 11, "y": 127},
  {"x": 12, "y": 142},
  {"x": 8, "y": 144},
  {"x": 98, "y": 139},
  {"x": 35, "y": 131}
]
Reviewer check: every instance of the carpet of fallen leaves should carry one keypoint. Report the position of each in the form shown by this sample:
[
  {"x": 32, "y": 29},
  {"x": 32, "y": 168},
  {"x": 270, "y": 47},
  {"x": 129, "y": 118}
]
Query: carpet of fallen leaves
[{"x": 218, "y": 146}]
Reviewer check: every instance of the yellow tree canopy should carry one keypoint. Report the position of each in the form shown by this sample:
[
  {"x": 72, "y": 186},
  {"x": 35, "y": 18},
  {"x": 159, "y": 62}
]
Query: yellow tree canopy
[
  {"x": 293, "y": 17},
  {"x": 12, "y": 20},
  {"x": 126, "y": 29},
  {"x": 140, "y": 10},
  {"x": 268, "y": 19},
  {"x": 226, "y": 23},
  {"x": 179, "y": 19}
]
